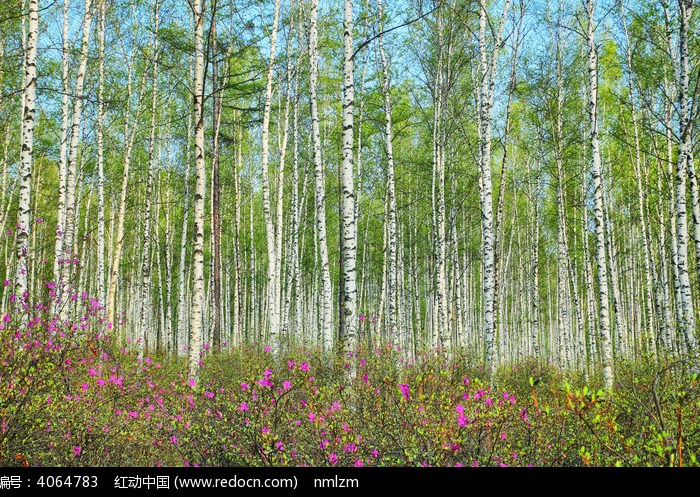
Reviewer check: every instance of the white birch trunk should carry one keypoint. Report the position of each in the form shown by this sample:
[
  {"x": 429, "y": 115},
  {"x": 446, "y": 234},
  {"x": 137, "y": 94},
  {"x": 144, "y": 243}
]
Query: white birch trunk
[
  {"x": 486, "y": 84},
  {"x": 326, "y": 320},
  {"x": 118, "y": 242},
  {"x": 72, "y": 165},
  {"x": 596, "y": 171},
  {"x": 348, "y": 232},
  {"x": 62, "y": 168},
  {"x": 685, "y": 151},
  {"x": 146, "y": 259},
  {"x": 272, "y": 273},
  {"x": 27, "y": 154},
  {"x": 196, "y": 313},
  {"x": 101, "y": 271},
  {"x": 391, "y": 282}
]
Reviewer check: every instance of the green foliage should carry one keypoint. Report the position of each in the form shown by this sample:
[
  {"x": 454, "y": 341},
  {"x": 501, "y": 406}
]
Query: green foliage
[{"x": 71, "y": 398}]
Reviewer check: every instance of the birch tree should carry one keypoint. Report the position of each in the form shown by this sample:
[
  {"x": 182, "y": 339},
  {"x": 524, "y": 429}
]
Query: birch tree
[
  {"x": 326, "y": 300},
  {"x": 27, "y": 152},
  {"x": 392, "y": 273},
  {"x": 197, "y": 315},
  {"x": 597, "y": 177},
  {"x": 685, "y": 156},
  {"x": 146, "y": 257},
  {"x": 487, "y": 75},
  {"x": 273, "y": 276},
  {"x": 348, "y": 233}
]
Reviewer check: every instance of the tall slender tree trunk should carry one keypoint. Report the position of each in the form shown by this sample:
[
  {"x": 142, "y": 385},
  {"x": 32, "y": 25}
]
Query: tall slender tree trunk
[
  {"x": 216, "y": 302},
  {"x": 62, "y": 168},
  {"x": 197, "y": 315},
  {"x": 486, "y": 91},
  {"x": 391, "y": 282},
  {"x": 348, "y": 318},
  {"x": 27, "y": 153},
  {"x": 563, "y": 307},
  {"x": 685, "y": 151},
  {"x": 118, "y": 242},
  {"x": 71, "y": 174},
  {"x": 101, "y": 271},
  {"x": 237, "y": 304},
  {"x": 146, "y": 259},
  {"x": 182, "y": 321},
  {"x": 439, "y": 314},
  {"x": 641, "y": 194},
  {"x": 326, "y": 320},
  {"x": 535, "y": 272},
  {"x": 272, "y": 273},
  {"x": 596, "y": 172}
]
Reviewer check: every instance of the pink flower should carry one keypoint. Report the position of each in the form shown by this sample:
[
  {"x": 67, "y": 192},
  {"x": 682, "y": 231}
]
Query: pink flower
[
  {"x": 333, "y": 459},
  {"x": 358, "y": 463},
  {"x": 362, "y": 317},
  {"x": 244, "y": 386},
  {"x": 287, "y": 385},
  {"x": 405, "y": 391},
  {"x": 243, "y": 406},
  {"x": 279, "y": 445},
  {"x": 266, "y": 349},
  {"x": 312, "y": 417},
  {"x": 305, "y": 367},
  {"x": 77, "y": 450},
  {"x": 173, "y": 440},
  {"x": 85, "y": 386}
]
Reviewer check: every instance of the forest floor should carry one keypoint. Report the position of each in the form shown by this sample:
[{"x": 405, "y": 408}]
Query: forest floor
[{"x": 71, "y": 402}]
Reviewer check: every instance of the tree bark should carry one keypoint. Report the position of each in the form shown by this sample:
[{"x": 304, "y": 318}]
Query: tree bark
[
  {"x": 197, "y": 315},
  {"x": 326, "y": 320},
  {"x": 597, "y": 176},
  {"x": 26, "y": 155}
]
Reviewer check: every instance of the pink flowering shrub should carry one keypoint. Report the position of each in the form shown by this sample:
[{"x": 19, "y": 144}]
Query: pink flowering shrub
[{"x": 71, "y": 395}]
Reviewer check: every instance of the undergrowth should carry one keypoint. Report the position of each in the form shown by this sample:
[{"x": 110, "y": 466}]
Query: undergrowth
[{"x": 69, "y": 397}]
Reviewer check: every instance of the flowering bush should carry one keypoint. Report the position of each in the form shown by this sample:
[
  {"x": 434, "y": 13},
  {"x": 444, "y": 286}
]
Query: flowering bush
[{"x": 71, "y": 395}]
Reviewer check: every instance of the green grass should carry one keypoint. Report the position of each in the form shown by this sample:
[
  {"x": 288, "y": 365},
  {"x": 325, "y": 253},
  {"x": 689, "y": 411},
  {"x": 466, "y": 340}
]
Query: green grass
[{"x": 72, "y": 403}]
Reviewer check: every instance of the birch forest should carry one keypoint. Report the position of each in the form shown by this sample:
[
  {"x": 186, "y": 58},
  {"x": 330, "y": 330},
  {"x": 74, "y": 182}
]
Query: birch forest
[{"x": 485, "y": 184}]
